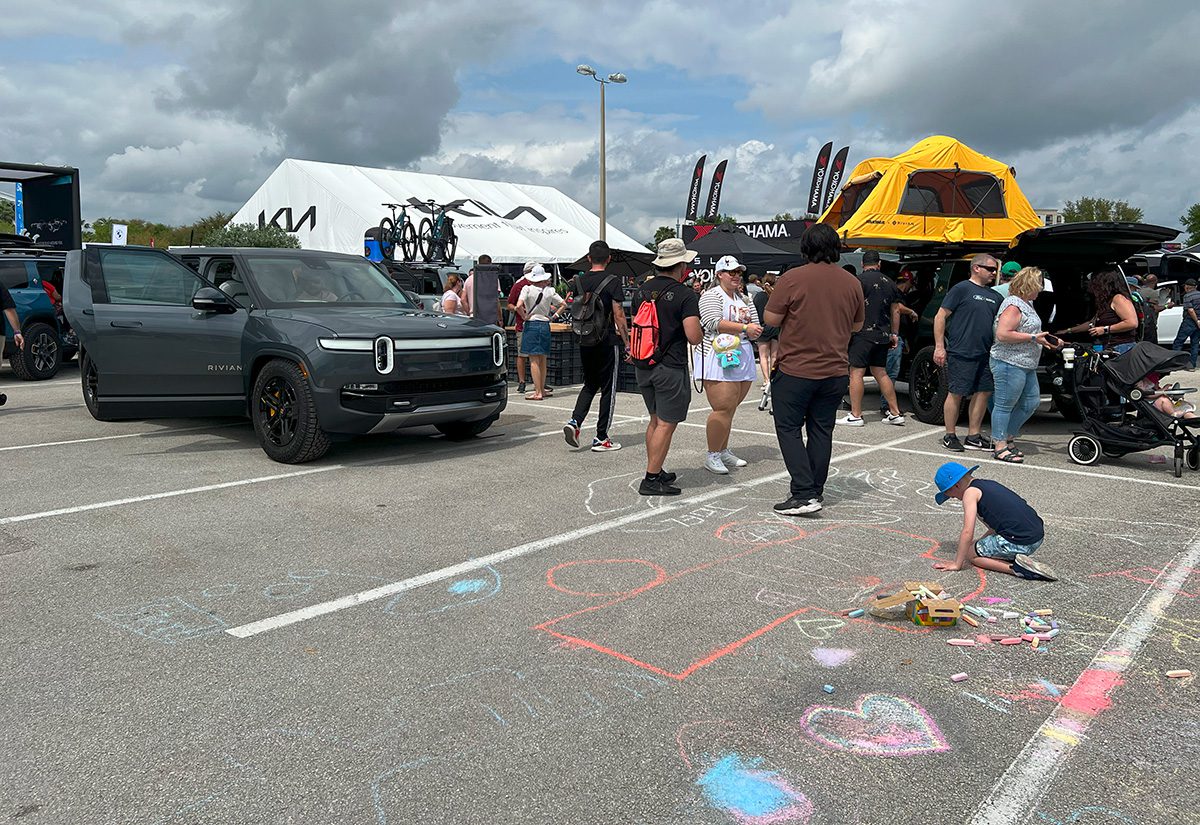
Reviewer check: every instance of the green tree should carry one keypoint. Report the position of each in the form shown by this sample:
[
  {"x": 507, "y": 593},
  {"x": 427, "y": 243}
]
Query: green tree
[
  {"x": 8, "y": 217},
  {"x": 1191, "y": 224},
  {"x": 1100, "y": 209},
  {"x": 660, "y": 235},
  {"x": 784, "y": 216},
  {"x": 247, "y": 234},
  {"x": 720, "y": 219}
]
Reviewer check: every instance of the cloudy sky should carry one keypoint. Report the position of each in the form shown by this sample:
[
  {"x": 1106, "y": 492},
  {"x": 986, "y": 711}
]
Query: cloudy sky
[{"x": 173, "y": 111}]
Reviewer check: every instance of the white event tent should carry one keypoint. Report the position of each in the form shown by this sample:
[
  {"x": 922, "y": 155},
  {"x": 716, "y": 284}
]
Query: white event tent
[{"x": 330, "y": 206}]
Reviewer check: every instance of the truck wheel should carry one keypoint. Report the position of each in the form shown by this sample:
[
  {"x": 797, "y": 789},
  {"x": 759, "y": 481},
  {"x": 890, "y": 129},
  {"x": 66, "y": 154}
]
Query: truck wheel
[
  {"x": 463, "y": 430},
  {"x": 927, "y": 388},
  {"x": 42, "y": 355},
  {"x": 89, "y": 376},
  {"x": 285, "y": 415}
]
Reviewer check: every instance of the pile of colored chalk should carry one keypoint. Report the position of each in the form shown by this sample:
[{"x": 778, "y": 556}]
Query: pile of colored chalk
[{"x": 1037, "y": 627}]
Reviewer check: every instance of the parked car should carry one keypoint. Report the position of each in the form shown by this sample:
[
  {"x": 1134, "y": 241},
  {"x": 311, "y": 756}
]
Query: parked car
[
  {"x": 309, "y": 345},
  {"x": 23, "y": 268},
  {"x": 1068, "y": 253}
]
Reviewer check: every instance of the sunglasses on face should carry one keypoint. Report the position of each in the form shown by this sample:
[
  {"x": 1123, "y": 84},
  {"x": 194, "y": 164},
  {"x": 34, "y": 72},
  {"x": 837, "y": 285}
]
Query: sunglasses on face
[{"x": 990, "y": 269}]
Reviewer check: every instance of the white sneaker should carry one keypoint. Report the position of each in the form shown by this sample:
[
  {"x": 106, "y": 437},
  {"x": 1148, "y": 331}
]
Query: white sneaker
[
  {"x": 731, "y": 460},
  {"x": 851, "y": 420},
  {"x": 898, "y": 420},
  {"x": 714, "y": 464}
]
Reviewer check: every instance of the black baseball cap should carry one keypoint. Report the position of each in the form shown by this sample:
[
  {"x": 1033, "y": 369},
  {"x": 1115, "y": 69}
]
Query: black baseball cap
[{"x": 1190, "y": 282}]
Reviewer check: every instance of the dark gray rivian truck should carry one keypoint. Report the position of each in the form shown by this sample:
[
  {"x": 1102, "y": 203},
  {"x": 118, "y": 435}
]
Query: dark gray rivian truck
[{"x": 310, "y": 345}]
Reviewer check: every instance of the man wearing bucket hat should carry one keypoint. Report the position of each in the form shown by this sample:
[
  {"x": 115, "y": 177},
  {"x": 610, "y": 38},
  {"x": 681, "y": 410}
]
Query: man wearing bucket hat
[
  {"x": 1015, "y": 530},
  {"x": 662, "y": 375}
]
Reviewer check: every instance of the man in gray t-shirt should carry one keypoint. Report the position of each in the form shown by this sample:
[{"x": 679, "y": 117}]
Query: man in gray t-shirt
[{"x": 1153, "y": 302}]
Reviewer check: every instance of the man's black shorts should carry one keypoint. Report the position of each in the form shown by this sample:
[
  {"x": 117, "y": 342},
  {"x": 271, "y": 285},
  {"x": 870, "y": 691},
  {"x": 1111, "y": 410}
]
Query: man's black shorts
[
  {"x": 667, "y": 392},
  {"x": 967, "y": 376},
  {"x": 869, "y": 349}
]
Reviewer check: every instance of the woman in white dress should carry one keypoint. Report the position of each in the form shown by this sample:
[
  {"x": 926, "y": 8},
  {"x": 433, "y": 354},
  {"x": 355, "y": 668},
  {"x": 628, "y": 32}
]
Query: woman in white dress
[{"x": 724, "y": 361}]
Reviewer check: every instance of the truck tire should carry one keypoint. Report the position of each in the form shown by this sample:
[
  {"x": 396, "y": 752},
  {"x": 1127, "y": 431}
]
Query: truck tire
[
  {"x": 927, "y": 388},
  {"x": 464, "y": 430},
  {"x": 42, "y": 355},
  {"x": 285, "y": 414},
  {"x": 89, "y": 378}
]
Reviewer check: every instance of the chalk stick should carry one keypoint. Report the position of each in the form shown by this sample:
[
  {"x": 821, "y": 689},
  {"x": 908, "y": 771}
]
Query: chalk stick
[
  {"x": 854, "y": 614},
  {"x": 961, "y": 642},
  {"x": 978, "y": 611},
  {"x": 1035, "y": 643},
  {"x": 970, "y": 621},
  {"x": 1043, "y": 612},
  {"x": 958, "y": 677},
  {"x": 1026, "y": 637},
  {"x": 1039, "y": 626},
  {"x": 1052, "y": 633},
  {"x": 1009, "y": 614},
  {"x": 1043, "y": 637},
  {"x": 1010, "y": 641},
  {"x": 997, "y": 637},
  {"x": 1178, "y": 674},
  {"x": 992, "y": 619},
  {"x": 828, "y": 688}
]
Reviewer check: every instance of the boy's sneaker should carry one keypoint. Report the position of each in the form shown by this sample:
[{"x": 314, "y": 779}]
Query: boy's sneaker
[
  {"x": 798, "y": 507},
  {"x": 951, "y": 443},
  {"x": 657, "y": 487},
  {"x": 896, "y": 420},
  {"x": 605, "y": 446},
  {"x": 521, "y": 388},
  {"x": 851, "y": 420},
  {"x": 714, "y": 464},
  {"x": 977, "y": 442},
  {"x": 571, "y": 433},
  {"x": 1028, "y": 568},
  {"x": 731, "y": 460}
]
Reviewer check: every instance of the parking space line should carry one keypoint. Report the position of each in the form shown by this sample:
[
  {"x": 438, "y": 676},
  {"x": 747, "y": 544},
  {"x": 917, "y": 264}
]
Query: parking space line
[
  {"x": 354, "y": 599},
  {"x": 111, "y": 437},
  {"x": 1028, "y": 778}
]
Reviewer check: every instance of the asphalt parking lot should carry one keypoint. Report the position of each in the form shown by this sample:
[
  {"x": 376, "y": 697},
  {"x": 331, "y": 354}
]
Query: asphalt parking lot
[{"x": 418, "y": 631}]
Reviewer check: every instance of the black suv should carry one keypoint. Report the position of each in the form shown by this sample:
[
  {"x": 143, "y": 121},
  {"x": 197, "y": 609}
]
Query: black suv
[
  {"x": 23, "y": 268},
  {"x": 307, "y": 344},
  {"x": 1068, "y": 253}
]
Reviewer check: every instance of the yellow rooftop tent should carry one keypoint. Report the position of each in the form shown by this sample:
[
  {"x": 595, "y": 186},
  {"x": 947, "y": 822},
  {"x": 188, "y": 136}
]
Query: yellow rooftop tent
[{"x": 939, "y": 191}]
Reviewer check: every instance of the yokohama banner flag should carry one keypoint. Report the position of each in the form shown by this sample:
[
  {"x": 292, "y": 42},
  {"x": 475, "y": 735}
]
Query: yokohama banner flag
[
  {"x": 818, "y": 180},
  {"x": 693, "y": 201},
  {"x": 714, "y": 192},
  {"x": 835, "y": 176}
]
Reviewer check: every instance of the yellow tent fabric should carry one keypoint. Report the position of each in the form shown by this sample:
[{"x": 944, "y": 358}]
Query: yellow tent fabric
[{"x": 939, "y": 191}]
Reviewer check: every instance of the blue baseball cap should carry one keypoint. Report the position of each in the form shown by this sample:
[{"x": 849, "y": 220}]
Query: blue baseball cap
[{"x": 947, "y": 476}]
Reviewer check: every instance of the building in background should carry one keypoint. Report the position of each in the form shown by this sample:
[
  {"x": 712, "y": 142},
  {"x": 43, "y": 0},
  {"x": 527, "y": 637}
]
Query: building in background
[{"x": 1050, "y": 217}]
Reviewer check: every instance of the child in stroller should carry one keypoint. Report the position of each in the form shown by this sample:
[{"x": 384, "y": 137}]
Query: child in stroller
[{"x": 1123, "y": 408}]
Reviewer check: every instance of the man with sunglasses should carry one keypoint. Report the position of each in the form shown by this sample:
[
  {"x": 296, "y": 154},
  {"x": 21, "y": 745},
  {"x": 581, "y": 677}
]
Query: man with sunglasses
[{"x": 962, "y": 334}]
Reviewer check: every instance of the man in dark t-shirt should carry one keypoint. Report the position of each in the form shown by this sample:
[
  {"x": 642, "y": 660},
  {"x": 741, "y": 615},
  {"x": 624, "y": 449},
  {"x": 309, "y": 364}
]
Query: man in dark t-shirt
[
  {"x": 8, "y": 308},
  {"x": 599, "y": 360},
  {"x": 869, "y": 346},
  {"x": 962, "y": 334},
  {"x": 665, "y": 387}
]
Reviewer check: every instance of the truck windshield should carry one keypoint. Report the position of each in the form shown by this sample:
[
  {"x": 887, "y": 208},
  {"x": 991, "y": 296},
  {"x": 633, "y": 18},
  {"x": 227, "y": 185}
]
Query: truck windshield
[{"x": 288, "y": 281}]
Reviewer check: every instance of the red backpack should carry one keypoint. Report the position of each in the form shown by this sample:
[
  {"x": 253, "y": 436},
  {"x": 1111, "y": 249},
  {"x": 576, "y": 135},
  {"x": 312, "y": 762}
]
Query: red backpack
[{"x": 644, "y": 333}]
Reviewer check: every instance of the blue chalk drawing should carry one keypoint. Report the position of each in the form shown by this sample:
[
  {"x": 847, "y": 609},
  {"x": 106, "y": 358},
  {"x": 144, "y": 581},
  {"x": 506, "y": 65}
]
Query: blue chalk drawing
[
  {"x": 467, "y": 586},
  {"x": 462, "y": 593},
  {"x": 168, "y": 620},
  {"x": 736, "y": 785}
]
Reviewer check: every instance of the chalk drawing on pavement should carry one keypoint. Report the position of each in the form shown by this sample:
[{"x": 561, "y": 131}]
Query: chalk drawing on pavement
[
  {"x": 751, "y": 794},
  {"x": 169, "y": 620},
  {"x": 637, "y": 572},
  {"x": 458, "y": 594},
  {"x": 878, "y": 725}
]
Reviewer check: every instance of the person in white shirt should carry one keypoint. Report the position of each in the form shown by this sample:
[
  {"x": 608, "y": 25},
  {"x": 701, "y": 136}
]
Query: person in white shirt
[
  {"x": 724, "y": 361},
  {"x": 537, "y": 304},
  {"x": 452, "y": 301}
]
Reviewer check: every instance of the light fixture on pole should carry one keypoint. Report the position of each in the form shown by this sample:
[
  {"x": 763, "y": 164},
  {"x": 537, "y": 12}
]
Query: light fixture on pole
[{"x": 616, "y": 77}]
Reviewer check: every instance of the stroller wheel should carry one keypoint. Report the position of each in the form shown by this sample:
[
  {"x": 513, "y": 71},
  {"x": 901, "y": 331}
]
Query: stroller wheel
[
  {"x": 1084, "y": 449},
  {"x": 1193, "y": 458}
]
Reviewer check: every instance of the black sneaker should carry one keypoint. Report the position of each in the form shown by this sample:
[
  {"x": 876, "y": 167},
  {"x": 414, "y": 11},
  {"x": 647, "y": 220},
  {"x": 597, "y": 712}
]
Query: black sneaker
[
  {"x": 977, "y": 442},
  {"x": 521, "y": 387},
  {"x": 547, "y": 390},
  {"x": 798, "y": 507},
  {"x": 1027, "y": 568},
  {"x": 657, "y": 487},
  {"x": 669, "y": 478},
  {"x": 951, "y": 443}
]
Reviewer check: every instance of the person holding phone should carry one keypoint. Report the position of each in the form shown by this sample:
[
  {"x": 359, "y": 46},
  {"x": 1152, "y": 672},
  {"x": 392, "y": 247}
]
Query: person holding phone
[{"x": 1015, "y": 353}]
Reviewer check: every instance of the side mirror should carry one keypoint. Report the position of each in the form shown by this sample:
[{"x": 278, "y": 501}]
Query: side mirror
[{"x": 209, "y": 299}]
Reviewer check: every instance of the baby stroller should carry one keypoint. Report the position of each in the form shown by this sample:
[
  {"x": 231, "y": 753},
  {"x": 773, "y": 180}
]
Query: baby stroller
[{"x": 1117, "y": 406}]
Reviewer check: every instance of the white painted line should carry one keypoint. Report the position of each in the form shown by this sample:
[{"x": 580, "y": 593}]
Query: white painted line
[
  {"x": 21, "y": 386},
  {"x": 1028, "y": 779},
  {"x": 470, "y": 565},
  {"x": 120, "y": 502},
  {"x": 115, "y": 437}
]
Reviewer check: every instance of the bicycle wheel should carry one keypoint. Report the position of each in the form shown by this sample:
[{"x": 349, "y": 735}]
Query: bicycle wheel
[
  {"x": 425, "y": 239},
  {"x": 451, "y": 246},
  {"x": 408, "y": 241},
  {"x": 387, "y": 238}
]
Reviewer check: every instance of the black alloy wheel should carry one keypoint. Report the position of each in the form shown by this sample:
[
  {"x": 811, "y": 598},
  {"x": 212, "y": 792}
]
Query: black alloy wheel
[
  {"x": 41, "y": 356},
  {"x": 89, "y": 376},
  {"x": 284, "y": 413},
  {"x": 277, "y": 401},
  {"x": 927, "y": 388}
]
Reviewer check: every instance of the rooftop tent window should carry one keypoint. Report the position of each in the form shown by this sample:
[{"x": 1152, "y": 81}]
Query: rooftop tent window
[
  {"x": 854, "y": 195},
  {"x": 954, "y": 193}
]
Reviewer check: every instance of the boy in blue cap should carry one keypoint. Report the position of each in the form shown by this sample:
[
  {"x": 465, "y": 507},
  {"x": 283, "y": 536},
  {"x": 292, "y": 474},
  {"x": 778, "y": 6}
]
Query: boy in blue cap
[{"x": 1015, "y": 530}]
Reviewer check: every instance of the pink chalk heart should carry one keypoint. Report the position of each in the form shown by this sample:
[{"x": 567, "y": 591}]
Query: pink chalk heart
[
  {"x": 881, "y": 725},
  {"x": 832, "y": 656}
]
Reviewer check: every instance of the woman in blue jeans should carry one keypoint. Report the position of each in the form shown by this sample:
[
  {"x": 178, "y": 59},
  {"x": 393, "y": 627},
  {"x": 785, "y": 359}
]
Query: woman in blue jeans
[{"x": 1014, "y": 359}]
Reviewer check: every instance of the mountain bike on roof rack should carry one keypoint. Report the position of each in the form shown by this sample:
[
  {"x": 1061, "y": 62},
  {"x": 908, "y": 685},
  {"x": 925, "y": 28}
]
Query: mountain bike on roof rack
[
  {"x": 436, "y": 235},
  {"x": 400, "y": 232}
]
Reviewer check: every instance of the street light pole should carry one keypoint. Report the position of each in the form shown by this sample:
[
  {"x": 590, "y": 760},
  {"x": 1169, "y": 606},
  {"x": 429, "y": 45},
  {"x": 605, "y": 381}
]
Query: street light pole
[{"x": 617, "y": 77}]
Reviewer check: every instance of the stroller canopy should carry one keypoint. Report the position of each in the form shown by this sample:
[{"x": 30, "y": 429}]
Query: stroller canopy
[{"x": 1144, "y": 359}]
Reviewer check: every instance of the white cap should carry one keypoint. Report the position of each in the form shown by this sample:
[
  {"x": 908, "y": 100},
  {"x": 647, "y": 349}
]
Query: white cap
[
  {"x": 529, "y": 265},
  {"x": 537, "y": 275},
  {"x": 729, "y": 264}
]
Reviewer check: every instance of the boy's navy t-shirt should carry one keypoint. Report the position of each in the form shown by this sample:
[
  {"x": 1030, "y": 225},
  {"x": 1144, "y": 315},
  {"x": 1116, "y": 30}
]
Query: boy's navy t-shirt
[
  {"x": 1008, "y": 514},
  {"x": 969, "y": 329}
]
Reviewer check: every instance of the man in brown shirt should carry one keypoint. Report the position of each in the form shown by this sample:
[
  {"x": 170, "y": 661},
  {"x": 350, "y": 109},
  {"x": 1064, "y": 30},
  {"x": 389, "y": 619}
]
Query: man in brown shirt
[{"x": 817, "y": 308}]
